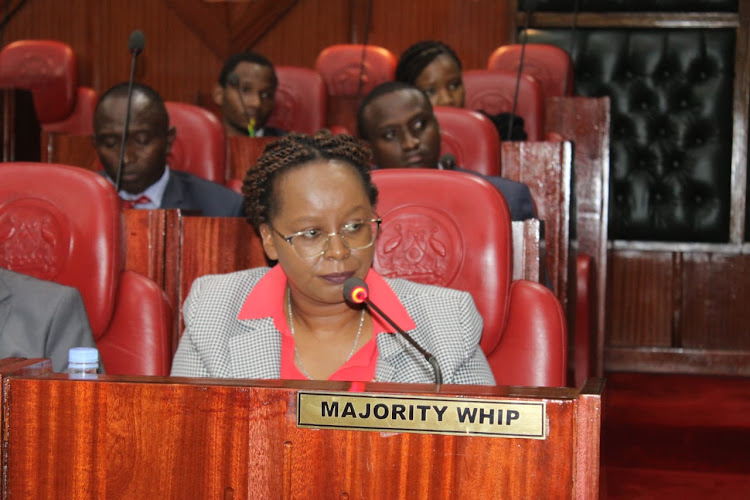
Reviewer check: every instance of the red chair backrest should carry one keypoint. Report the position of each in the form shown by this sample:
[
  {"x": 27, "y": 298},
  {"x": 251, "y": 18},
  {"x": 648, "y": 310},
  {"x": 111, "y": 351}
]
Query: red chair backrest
[
  {"x": 301, "y": 101},
  {"x": 200, "y": 146},
  {"x": 64, "y": 224},
  {"x": 471, "y": 138},
  {"x": 432, "y": 233},
  {"x": 550, "y": 65},
  {"x": 81, "y": 119},
  {"x": 48, "y": 69},
  {"x": 350, "y": 72},
  {"x": 493, "y": 92},
  {"x": 342, "y": 67}
]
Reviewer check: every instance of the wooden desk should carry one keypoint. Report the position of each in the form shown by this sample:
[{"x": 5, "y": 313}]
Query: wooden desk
[{"x": 154, "y": 437}]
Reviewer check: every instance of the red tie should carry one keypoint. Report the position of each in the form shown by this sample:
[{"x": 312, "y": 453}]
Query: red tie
[{"x": 138, "y": 201}]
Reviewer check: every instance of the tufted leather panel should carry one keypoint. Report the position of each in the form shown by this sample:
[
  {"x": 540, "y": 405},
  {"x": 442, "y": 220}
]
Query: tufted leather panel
[
  {"x": 301, "y": 100},
  {"x": 471, "y": 137},
  {"x": 48, "y": 69},
  {"x": 631, "y": 5},
  {"x": 671, "y": 130}
]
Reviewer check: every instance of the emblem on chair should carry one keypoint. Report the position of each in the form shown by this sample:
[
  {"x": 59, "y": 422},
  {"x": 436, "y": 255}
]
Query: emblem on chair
[
  {"x": 34, "y": 238},
  {"x": 419, "y": 244},
  {"x": 491, "y": 101}
]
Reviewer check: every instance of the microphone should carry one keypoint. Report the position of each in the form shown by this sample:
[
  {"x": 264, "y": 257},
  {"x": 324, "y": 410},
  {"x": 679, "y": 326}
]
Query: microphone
[
  {"x": 136, "y": 43},
  {"x": 233, "y": 81},
  {"x": 447, "y": 162},
  {"x": 356, "y": 291},
  {"x": 531, "y": 5}
]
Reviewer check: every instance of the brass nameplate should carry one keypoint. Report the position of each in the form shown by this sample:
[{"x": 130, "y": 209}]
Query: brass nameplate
[{"x": 429, "y": 415}]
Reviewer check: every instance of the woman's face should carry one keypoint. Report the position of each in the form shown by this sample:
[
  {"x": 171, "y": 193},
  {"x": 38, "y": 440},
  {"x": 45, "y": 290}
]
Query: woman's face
[
  {"x": 441, "y": 81},
  {"x": 323, "y": 195}
]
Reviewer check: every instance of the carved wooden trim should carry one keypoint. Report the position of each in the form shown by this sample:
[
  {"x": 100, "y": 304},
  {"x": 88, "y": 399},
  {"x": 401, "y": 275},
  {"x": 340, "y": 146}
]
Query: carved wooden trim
[{"x": 208, "y": 21}]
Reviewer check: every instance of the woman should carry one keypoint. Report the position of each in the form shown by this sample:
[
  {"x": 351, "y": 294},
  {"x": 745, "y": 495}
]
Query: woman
[
  {"x": 435, "y": 69},
  {"x": 312, "y": 201}
]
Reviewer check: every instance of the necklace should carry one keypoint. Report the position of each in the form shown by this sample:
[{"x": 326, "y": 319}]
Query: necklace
[{"x": 291, "y": 328}]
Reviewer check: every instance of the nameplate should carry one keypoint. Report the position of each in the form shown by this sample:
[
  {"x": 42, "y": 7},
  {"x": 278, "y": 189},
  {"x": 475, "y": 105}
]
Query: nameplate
[{"x": 420, "y": 414}]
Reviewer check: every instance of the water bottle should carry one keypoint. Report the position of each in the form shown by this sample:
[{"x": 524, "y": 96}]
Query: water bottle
[{"x": 83, "y": 362}]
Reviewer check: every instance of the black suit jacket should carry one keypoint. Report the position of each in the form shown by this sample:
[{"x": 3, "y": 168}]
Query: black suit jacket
[
  {"x": 517, "y": 195},
  {"x": 189, "y": 192}
]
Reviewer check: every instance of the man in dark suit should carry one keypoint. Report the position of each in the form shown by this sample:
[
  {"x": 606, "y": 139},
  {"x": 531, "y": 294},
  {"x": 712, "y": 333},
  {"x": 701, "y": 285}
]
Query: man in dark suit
[
  {"x": 41, "y": 319},
  {"x": 245, "y": 93},
  {"x": 146, "y": 180},
  {"x": 398, "y": 122}
]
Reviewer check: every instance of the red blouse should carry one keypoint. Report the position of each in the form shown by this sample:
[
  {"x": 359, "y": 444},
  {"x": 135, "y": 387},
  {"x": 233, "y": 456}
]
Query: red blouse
[{"x": 266, "y": 299}]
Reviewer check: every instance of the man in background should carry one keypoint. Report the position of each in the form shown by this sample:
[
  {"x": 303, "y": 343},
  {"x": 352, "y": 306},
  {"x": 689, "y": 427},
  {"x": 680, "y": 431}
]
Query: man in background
[
  {"x": 245, "y": 93},
  {"x": 398, "y": 122},
  {"x": 146, "y": 181}
]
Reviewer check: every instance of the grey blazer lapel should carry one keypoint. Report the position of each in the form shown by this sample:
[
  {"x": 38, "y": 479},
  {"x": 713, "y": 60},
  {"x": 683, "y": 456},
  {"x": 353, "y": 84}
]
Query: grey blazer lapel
[
  {"x": 256, "y": 340},
  {"x": 5, "y": 304}
]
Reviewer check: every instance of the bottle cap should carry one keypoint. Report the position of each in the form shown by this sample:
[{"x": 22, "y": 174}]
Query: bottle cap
[{"x": 83, "y": 355}]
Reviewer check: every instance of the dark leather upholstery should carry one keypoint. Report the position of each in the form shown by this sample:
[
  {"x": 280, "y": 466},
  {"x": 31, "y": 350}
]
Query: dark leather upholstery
[
  {"x": 64, "y": 224},
  {"x": 631, "y": 5},
  {"x": 671, "y": 132},
  {"x": 432, "y": 233},
  {"x": 471, "y": 138},
  {"x": 200, "y": 146},
  {"x": 301, "y": 100},
  {"x": 493, "y": 91},
  {"x": 550, "y": 65},
  {"x": 48, "y": 69}
]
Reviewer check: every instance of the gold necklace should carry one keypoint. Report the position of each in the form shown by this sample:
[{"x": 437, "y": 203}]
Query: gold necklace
[{"x": 297, "y": 358}]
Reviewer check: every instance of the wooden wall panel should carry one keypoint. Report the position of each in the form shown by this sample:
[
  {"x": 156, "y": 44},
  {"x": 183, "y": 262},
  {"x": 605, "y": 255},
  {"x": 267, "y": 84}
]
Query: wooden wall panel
[
  {"x": 639, "y": 299},
  {"x": 309, "y": 27},
  {"x": 472, "y": 28},
  {"x": 716, "y": 294}
]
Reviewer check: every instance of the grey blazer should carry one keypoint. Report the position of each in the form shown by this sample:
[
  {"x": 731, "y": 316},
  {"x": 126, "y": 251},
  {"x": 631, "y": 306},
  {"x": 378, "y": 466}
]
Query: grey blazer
[
  {"x": 216, "y": 344},
  {"x": 41, "y": 319}
]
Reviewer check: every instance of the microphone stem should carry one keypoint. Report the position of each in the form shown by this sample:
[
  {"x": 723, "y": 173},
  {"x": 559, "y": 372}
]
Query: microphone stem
[
  {"x": 127, "y": 122},
  {"x": 429, "y": 357}
]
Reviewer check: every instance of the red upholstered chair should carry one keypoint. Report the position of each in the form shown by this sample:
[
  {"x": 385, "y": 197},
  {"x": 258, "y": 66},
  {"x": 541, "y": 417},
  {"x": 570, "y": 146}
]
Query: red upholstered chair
[
  {"x": 550, "y": 65},
  {"x": 64, "y": 224},
  {"x": 471, "y": 138},
  {"x": 48, "y": 69},
  {"x": 432, "y": 234},
  {"x": 301, "y": 101},
  {"x": 200, "y": 146},
  {"x": 493, "y": 91},
  {"x": 81, "y": 120},
  {"x": 350, "y": 72}
]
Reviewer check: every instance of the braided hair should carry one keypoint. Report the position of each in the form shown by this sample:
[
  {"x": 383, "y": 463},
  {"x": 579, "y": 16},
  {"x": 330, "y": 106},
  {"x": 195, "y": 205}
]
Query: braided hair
[
  {"x": 418, "y": 56},
  {"x": 294, "y": 150}
]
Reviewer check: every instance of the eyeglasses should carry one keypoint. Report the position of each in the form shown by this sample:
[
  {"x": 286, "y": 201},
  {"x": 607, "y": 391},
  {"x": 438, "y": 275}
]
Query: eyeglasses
[{"x": 355, "y": 235}]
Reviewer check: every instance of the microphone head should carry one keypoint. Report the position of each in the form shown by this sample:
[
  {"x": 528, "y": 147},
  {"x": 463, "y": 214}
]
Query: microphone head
[
  {"x": 447, "y": 162},
  {"x": 356, "y": 290},
  {"x": 136, "y": 42}
]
